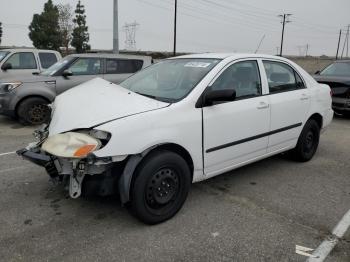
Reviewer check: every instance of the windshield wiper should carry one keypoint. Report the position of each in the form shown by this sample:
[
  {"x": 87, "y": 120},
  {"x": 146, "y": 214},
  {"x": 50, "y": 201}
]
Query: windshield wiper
[
  {"x": 150, "y": 96},
  {"x": 163, "y": 99}
]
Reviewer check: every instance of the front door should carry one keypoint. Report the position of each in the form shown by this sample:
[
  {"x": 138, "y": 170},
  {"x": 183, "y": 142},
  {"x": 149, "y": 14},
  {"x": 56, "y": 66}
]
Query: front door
[
  {"x": 236, "y": 132},
  {"x": 83, "y": 69}
]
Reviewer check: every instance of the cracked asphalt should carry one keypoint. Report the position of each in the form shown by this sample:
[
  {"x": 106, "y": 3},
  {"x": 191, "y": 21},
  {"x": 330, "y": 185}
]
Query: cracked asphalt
[{"x": 255, "y": 213}]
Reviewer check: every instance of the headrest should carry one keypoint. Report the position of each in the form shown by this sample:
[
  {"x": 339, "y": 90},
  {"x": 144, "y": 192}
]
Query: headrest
[
  {"x": 243, "y": 73},
  {"x": 280, "y": 77}
]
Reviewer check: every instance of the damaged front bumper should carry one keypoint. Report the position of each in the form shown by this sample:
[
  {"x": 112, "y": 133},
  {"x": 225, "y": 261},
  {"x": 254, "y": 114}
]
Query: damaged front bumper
[{"x": 77, "y": 170}]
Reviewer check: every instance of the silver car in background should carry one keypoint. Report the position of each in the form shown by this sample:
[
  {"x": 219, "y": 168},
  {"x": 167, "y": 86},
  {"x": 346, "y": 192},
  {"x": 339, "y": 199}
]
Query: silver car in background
[{"x": 27, "y": 97}]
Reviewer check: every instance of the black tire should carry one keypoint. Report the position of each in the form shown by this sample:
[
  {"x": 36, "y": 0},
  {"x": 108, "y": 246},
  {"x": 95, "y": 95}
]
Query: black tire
[
  {"x": 307, "y": 142},
  {"x": 34, "y": 111},
  {"x": 161, "y": 185}
]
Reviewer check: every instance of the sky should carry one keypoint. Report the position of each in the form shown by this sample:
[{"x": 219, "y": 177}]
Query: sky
[{"x": 203, "y": 25}]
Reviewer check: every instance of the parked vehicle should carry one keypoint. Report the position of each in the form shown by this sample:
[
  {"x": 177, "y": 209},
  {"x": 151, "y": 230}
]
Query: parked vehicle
[
  {"x": 27, "y": 97},
  {"x": 179, "y": 121},
  {"x": 337, "y": 76},
  {"x": 26, "y": 61}
]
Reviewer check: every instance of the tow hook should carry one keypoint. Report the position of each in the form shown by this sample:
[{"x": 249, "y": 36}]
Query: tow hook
[{"x": 76, "y": 180}]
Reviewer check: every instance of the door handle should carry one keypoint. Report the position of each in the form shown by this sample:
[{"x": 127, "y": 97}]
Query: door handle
[
  {"x": 304, "y": 97},
  {"x": 263, "y": 105}
]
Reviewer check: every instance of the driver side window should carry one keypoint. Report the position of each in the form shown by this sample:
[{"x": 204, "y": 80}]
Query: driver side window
[{"x": 243, "y": 76}]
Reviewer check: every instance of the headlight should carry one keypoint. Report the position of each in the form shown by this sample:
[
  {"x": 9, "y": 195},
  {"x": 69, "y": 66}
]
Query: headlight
[
  {"x": 71, "y": 145},
  {"x": 9, "y": 86}
]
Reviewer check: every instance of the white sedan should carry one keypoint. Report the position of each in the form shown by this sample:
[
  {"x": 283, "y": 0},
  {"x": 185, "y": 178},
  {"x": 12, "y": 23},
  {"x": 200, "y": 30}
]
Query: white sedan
[{"x": 179, "y": 121}]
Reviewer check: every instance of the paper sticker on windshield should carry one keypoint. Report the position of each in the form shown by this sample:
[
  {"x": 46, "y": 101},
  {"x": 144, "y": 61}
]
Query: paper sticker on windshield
[{"x": 197, "y": 64}]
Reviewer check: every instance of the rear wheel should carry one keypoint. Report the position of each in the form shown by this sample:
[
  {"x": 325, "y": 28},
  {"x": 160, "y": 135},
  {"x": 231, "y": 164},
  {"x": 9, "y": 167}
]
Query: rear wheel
[
  {"x": 34, "y": 111},
  {"x": 307, "y": 142},
  {"x": 160, "y": 187}
]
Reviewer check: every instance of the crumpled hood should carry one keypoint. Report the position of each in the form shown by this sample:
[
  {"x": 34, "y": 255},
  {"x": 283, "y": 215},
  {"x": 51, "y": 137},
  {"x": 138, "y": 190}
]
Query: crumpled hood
[
  {"x": 27, "y": 79},
  {"x": 96, "y": 102}
]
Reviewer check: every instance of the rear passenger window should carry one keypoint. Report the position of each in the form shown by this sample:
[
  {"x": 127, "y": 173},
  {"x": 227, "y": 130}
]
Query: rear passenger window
[
  {"x": 282, "y": 77},
  {"x": 243, "y": 76},
  {"x": 23, "y": 60},
  {"x": 47, "y": 59},
  {"x": 123, "y": 66}
]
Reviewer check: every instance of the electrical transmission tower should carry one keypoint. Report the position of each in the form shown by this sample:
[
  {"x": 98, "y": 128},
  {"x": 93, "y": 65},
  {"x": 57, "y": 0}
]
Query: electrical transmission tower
[
  {"x": 346, "y": 43},
  {"x": 285, "y": 20},
  {"x": 130, "y": 35}
]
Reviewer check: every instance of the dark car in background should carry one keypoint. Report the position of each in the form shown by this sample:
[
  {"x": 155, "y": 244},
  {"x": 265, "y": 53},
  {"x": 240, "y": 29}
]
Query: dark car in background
[
  {"x": 337, "y": 76},
  {"x": 27, "y": 97}
]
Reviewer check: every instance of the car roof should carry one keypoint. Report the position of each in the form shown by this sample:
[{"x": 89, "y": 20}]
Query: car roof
[
  {"x": 27, "y": 50},
  {"x": 108, "y": 55},
  {"x": 229, "y": 55}
]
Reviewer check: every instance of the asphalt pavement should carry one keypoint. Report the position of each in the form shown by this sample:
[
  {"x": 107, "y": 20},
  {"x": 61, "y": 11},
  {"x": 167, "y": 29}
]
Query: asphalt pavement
[{"x": 255, "y": 213}]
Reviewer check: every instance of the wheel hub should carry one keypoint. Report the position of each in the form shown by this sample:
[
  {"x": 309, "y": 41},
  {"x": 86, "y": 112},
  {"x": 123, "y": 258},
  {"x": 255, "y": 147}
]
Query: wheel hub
[{"x": 162, "y": 187}]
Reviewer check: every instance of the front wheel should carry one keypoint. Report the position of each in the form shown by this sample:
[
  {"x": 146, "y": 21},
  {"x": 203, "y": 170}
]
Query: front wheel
[
  {"x": 161, "y": 184},
  {"x": 34, "y": 111},
  {"x": 307, "y": 142}
]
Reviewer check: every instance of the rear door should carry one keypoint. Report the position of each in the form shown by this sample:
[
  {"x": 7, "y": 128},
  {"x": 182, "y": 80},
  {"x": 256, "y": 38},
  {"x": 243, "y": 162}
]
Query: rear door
[
  {"x": 83, "y": 69},
  {"x": 117, "y": 70},
  {"x": 290, "y": 100},
  {"x": 47, "y": 59},
  {"x": 237, "y": 131}
]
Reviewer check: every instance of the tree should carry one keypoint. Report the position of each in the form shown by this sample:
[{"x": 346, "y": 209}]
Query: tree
[
  {"x": 0, "y": 32},
  {"x": 65, "y": 21},
  {"x": 44, "y": 29},
  {"x": 80, "y": 32}
]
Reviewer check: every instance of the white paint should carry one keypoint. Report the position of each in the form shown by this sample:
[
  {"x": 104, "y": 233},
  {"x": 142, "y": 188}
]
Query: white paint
[
  {"x": 300, "y": 250},
  {"x": 328, "y": 244},
  {"x": 8, "y": 153},
  {"x": 215, "y": 234}
]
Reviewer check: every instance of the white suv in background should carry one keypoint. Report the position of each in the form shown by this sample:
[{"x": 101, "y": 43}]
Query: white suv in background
[{"x": 26, "y": 61}]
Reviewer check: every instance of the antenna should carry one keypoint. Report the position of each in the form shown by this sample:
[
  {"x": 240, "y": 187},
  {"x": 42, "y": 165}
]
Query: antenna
[{"x": 257, "y": 49}]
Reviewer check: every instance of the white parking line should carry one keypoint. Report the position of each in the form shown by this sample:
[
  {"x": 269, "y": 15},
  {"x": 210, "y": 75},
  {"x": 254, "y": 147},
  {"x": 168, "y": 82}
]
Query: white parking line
[
  {"x": 12, "y": 169},
  {"x": 8, "y": 153},
  {"x": 328, "y": 244}
]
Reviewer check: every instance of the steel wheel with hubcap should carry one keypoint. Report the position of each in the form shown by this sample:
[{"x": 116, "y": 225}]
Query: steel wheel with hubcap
[{"x": 160, "y": 187}]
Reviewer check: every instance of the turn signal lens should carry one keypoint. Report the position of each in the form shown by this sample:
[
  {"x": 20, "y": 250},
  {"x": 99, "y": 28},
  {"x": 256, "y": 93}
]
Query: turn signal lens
[{"x": 84, "y": 150}]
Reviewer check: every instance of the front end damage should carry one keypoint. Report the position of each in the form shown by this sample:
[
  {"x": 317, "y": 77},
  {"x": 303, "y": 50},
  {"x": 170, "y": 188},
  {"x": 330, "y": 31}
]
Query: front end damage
[{"x": 88, "y": 175}]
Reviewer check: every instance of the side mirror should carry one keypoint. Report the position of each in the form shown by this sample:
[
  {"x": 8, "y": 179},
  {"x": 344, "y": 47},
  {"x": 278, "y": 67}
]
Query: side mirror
[
  {"x": 6, "y": 66},
  {"x": 211, "y": 96},
  {"x": 66, "y": 73},
  {"x": 317, "y": 72}
]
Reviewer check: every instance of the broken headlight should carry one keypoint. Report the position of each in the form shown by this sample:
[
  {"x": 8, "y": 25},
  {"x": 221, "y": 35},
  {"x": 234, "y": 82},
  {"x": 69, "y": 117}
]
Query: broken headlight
[{"x": 71, "y": 145}]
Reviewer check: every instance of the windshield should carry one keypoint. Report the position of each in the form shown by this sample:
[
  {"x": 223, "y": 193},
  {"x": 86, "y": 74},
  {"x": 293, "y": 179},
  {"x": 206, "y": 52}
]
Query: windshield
[
  {"x": 337, "y": 69},
  {"x": 3, "y": 54},
  {"x": 57, "y": 66},
  {"x": 170, "y": 80}
]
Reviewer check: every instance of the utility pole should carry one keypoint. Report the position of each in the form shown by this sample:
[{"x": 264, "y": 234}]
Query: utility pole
[
  {"x": 115, "y": 28},
  {"x": 336, "y": 56},
  {"x": 175, "y": 18},
  {"x": 284, "y": 21},
  {"x": 257, "y": 49},
  {"x": 307, "y": 49},
  {"x": 346, "y": 43}
]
